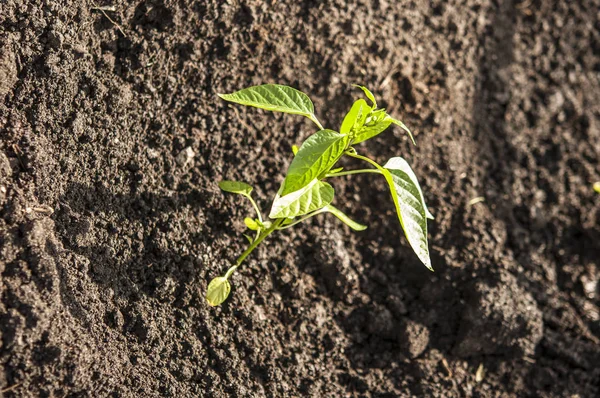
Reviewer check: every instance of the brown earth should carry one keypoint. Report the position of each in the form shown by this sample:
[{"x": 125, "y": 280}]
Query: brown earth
[{"x": 110, "y": 227}]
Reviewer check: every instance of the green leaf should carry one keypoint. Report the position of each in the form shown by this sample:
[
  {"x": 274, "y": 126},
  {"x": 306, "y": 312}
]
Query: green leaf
[
  {"x": 399, "y": 163},
  {"x": 251, "y": 224},
  {"x": 410, "y": 206},
  {"x": 218, "y": 290},
  {"x": 355, "y": 117},
  {"x": 372, "y": 129},
  {"x": 294, "y": 149},
  {"x": 316, "y": 155},
  {"x": 235, "y": 187},
  {"x": 274, "y": 97},
  {"x": 344, "y": 218},
  {"x": 336, "y": 170},
  {"x": 250, "y": 239},
  {"x": 368, "y": 93},
  {"x": 313, "y": 196},
  {"x": 403, "y": 126}
]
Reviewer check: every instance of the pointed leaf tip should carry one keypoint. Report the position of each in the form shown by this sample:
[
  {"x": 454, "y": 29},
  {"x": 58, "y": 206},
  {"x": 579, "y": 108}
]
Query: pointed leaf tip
[{"x": 235, "y": 187}]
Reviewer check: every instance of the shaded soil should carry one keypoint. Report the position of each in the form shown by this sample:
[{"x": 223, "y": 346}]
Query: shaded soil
[{"x": 111, "y": 223}]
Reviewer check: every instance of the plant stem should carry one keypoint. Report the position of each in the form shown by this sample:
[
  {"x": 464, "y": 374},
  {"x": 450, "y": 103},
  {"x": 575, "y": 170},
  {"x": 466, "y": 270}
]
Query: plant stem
[
  {"x": 255, "y": 207},
  {"x": 306, "y": 217},
  {"x": 351, "y": 172},
  {"x": 352, "y": 152},
  {"x": 253, "y": 246},
  {"x": 314, "y": 119}
]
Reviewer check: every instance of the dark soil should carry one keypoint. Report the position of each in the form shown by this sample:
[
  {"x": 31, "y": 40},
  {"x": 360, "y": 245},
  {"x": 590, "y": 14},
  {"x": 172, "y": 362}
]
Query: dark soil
[{"x": 112, "y": 141}]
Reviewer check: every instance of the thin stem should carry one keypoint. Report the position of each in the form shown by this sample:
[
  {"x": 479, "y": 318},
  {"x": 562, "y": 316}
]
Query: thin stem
[
  {"x": 351, "y": 172},
  {"x": 306, "y": 217},
  {"x": 253, "y": 245},
  {"x": 314, "y": 119},
  {"x": 255, "y": 208},
  {"x": 352, "y": 152}
]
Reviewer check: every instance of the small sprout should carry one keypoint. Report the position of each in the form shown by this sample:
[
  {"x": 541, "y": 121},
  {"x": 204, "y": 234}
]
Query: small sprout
[
  {"x": 597, "y": 186},
  {"x": 304, "y": 192},
  {"x": 252, "y": 224},
  {"x": 218, "y": 290}
]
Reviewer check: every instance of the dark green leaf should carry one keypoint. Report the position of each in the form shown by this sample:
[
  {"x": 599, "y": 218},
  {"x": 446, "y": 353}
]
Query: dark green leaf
[
  {"x": 312, "y": 197},
  {"x": 316, "y": 155}
]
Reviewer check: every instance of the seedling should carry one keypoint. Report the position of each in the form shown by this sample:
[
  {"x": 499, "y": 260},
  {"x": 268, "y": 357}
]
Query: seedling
[{"x": 305, "y": 191}]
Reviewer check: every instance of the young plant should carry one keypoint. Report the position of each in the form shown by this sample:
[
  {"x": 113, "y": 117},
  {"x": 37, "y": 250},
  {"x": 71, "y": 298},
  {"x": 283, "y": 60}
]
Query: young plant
[{"x": 305, "y": 191}]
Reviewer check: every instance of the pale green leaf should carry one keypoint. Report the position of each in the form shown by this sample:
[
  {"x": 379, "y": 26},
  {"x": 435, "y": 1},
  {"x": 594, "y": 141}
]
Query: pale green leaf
[
  {"x": 250, "y": 239},
  {"x": 410, "y": 206},
  {"x": 401, "y": 164},
  {"x": 294, "y": 149},
  {"x": 251, "y": 224},
  {"x": 316, "y": 155},
  {"x": 336, "y": 170},
  {"x": 597, "y": 186},
  {"x": 274, "y": 97},
  {"x": 403, "y": 126},
  {"x": 355, "y": 117},
  {"x": 235, "y": 187},
  {"x": 312, "y": 197},
  {"x": 368, "y": 93},
  {"x": 218, "y": 290},
  {"x": 344, "y": 218}
]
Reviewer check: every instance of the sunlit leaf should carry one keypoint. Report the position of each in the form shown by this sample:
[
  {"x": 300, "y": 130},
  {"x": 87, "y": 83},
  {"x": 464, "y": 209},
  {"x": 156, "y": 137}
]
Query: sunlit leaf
[
  {"x": 316, "y": 155},
  {"x": 344, "y": 218},
  {"x": 235, "y": 187},
  {"x": 218, "y": 290},
  {"x": 294, "y": 149},
  {"x": 274, "y": 97},
  {"x": 410, "y": 207},
  {"x": 355, "y": 117},
  {"x": 313, "y": 196},
  {"x": 370, "y": 130},
  {"x": 399, "y": 123},
  {"x": 399, "y": 163},
  {"x": 597, "y": 186},
  {"x": 251, "y": 224},
  {"x": 368, "y": 93}
]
